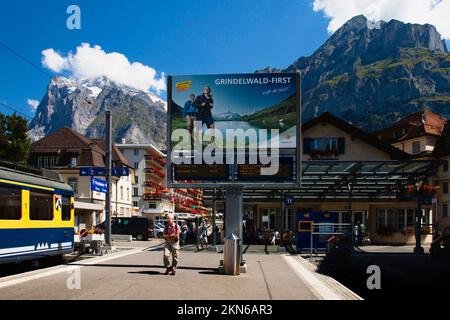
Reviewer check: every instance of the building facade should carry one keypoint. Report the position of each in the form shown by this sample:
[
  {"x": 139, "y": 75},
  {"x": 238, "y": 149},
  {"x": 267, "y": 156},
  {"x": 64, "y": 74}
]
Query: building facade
[
  {"x": 387, "y": 221},
  {"x": 425, "y": 135},
  {"x": 66, "y": 151},
  {"x": 150, "y": 192},
  {"x": 151, "y": 197}
]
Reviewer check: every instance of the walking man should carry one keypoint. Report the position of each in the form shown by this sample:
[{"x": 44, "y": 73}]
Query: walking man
[{"x": 171, "y": 235}]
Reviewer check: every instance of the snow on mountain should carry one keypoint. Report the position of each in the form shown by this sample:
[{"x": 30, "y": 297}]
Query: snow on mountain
[{"x": 138, "y": 116}]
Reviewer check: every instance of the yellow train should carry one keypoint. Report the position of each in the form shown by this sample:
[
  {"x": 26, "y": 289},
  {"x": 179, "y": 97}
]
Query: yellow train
[{"x": 36, "y": 216}]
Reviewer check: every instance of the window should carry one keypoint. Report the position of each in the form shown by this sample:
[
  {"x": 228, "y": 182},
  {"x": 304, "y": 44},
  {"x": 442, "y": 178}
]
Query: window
[
  {"x": 405, "y": 219},
  {"x": 135, "y": 192},
  {"x": 136, "y": 179},
  {"x": 324, "y": 144},
  {"x": 136, "y": 152},
  {"x": 416, "y": 147},
  {"x": 73, "y": 161},
  {"x": 46, "y": 161},
  {"x": 152, "y": 205},
  {"x": 10, "y": 203},
  {"x": 66, "y": 208},
  {"x": 41, "y": 206},
  {"x": 445, "y": 187},
  {"x": 135, "y": 204},
  {"x": 121, "y": 192},
  {"x": 73, "y": 182},
  {"x": 136, "y": 165},
  {"x": 445, "y": 166},
  {"x": 445, "y": 210},
  {"x": 386, "y": 220}
]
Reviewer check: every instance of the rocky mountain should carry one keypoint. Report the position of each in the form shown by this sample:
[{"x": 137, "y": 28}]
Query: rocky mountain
[
  {"x": 369, "y": 74},
  {"x": 374, "y": 74},
  {"x": 138, "y": 117}
]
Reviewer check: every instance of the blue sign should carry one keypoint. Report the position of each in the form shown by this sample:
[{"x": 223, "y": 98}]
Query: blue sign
[
  {"x": 427, "y": 200},
  {"x": 92, "y": 171},
  {"x": 99, "y": 185},
  {"x": 289, "y": 200},
  {"x": 120, "y": 172},
  {"x": 98, "y": 171}
]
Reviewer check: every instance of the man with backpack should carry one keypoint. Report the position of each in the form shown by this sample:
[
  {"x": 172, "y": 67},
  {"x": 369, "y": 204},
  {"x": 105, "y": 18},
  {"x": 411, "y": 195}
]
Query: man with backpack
[{"x": 172, "y": 247}]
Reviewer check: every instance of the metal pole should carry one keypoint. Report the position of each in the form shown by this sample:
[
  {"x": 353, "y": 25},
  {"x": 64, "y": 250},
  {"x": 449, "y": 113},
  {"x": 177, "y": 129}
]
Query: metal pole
[
  {"x": 108, "y": 179},
  {"x": 418, "y": 228},
  {"x": 352, "y": 218},
  {"x": 311, "y": 241},
  {"x": 234, "y": 215},
  {"x": 214, "y": 218}
]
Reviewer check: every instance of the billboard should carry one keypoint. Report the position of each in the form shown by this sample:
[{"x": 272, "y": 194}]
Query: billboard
[{"x": 233, "y": 129}]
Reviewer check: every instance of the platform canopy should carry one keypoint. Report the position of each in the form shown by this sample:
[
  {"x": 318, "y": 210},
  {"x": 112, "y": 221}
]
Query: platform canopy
[{"x": 364, "y": 180}]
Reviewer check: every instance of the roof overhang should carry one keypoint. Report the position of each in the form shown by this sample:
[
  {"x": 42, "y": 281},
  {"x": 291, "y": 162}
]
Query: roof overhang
[{"x": 368, "y": 180}]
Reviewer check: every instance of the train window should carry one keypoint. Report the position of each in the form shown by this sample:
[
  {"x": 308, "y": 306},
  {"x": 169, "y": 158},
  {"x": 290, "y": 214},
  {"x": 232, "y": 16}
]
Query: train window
[
  {"x": 10, "y": 203},
  {"x": 66, "y": 206},
  {"x": 41, "y": 206}
]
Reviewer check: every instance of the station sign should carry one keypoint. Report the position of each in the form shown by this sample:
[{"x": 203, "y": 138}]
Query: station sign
[
  {"x": 99, "y": 171},
  {"x": 99, "y": 185}
]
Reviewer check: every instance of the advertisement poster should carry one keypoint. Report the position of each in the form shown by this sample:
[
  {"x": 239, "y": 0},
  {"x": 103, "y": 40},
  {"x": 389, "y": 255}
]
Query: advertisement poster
[{"x": 235, "y": 101}]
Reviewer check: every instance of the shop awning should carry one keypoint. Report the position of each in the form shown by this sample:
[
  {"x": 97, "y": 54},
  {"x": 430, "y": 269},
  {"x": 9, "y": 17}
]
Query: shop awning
[
  {"x": 369, "y": 180},
  {"x": 89, "y": 206}
]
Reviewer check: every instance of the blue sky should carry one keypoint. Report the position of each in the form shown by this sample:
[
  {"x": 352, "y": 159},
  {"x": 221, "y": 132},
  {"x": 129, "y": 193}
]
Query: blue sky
[{"x": 174, "y": 37}]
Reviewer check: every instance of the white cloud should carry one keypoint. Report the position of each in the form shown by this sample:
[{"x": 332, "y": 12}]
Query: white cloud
[
  {"x": 33, "y": 103},
  {"x": 52, "y": 60},
  {"x": 434, "y": 12},
  {"x": 93, "y": 62}
]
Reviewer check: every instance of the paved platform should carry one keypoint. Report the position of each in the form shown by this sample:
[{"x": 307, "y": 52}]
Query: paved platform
[{"x": 137, "y": 273}]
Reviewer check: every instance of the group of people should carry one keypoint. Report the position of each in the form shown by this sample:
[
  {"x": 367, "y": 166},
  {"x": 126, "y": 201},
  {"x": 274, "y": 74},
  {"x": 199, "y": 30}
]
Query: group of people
[
  {"x": 199, "y": 109},
  {"x": 359, "y": 232}
]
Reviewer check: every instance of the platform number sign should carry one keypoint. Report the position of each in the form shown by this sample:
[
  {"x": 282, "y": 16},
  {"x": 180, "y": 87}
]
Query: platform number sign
[{"x": 288, "y": 200}]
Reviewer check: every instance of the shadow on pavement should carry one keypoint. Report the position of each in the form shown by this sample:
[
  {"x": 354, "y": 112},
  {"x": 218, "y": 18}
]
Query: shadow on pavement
[
  {"x": 402, "y": 275},
  {"x": 144, "y": 266},
  {"x": 149, "y": 273}
]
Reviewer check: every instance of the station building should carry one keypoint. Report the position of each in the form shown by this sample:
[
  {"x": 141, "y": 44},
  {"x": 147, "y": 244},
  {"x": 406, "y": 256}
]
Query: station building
[{"x": 337, "y": 154}]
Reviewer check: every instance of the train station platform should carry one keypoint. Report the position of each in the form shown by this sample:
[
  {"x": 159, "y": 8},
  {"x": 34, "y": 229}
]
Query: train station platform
[{"x": 137, "y": 273}]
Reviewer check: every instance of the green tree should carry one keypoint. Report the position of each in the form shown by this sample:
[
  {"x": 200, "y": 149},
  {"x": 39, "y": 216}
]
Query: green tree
[{"x": 14, "y": 143}]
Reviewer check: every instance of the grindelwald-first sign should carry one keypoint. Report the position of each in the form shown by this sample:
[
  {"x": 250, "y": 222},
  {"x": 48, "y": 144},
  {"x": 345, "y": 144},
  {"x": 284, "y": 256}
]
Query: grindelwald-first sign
[{"x": 234, "y": 129}]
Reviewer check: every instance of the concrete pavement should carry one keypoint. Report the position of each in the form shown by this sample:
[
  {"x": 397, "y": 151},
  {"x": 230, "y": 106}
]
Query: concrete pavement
[{"x": 137, "y": 273}]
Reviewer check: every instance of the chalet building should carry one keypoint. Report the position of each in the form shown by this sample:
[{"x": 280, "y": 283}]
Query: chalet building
[
  {"x": 426, "y": 135},
  {"x": 65, "y": 151},
  {"x": 416, "y": 134},
  {"x": 150, "y": 193}
]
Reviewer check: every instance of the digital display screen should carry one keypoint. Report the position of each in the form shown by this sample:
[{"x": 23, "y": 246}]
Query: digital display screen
[{"x": 216, "y": 172}]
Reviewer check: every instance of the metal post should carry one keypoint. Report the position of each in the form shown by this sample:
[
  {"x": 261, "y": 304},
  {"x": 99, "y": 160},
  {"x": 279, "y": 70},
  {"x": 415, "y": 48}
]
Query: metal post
[
  {"x": 418, "y": 249},
  {"x": 108, "y": 179},
  {"x": 214, "y": 218},
  {"x": 234, "y": 215},
  {"x": 311, "y": 240},
  {"x": 352, "y": 218}
]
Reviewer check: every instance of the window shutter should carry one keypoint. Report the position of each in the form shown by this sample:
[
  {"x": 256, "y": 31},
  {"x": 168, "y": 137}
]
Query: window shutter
[{"x": 341, "y": 145}]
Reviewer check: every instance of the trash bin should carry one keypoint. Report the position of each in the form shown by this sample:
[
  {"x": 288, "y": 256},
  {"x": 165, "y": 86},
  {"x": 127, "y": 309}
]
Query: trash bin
[{"x": 232, "y": 255}]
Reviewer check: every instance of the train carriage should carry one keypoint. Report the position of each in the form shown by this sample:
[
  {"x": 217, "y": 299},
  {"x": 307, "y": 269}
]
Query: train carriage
[{"x": 36, "y": 217}]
